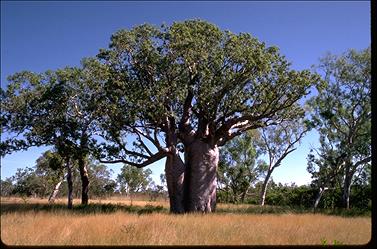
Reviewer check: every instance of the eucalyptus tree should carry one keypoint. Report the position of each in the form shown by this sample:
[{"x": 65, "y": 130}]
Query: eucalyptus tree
[
  {"x": 238, "y": 167},
  {"x": 50, "y": 165},
  {"x": 277, "y": 142},
  {"x": 326, "y": 169},
  {"x": 342, "y": 113},
  {"x": 57, "y": 108},
  {"x": 133, "y": 180},
  {"x": 101, "y": 183},
  {"x": 192, "y": 87},
  {"x": 30, "y": 116},
  {"x": 6, "y": 187}
]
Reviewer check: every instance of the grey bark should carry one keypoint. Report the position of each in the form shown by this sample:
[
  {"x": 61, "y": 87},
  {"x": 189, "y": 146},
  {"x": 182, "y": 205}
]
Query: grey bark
[
  {"x": 349, "y": 172},
  {"x": 84, "y": 181},
  {"x": 55, "y": 192},
  {"x": 174, "y": 171},
  {"x": 262, "y": 196},
  {"x": 319, "y": 196},
  {"x": 70, "y": 184},
  {"x": 201, "y": 161},
  {"x": 346, "y": 191}
]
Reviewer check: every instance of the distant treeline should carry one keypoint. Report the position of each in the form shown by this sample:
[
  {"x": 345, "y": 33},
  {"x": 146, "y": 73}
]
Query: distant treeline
[{"x": 36, "y": 182}]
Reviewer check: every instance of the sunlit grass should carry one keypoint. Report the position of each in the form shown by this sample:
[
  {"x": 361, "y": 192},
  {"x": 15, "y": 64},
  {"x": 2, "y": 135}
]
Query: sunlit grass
[{"x": 59, "y": 226}]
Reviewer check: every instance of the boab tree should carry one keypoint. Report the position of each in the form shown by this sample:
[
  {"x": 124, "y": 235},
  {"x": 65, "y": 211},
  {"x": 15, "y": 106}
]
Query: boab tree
[{"x": 197, "y": 87}]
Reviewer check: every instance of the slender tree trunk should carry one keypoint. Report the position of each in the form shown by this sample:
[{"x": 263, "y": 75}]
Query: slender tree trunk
[
  {"x": 346, "y": 191},
  {"x": 84, "y": 181},
  {"x": 234, "y": 196},
  {"x": 174, "y": 171},
  {"x": 201, "y": 161},
  {"x": 55, "y": 192},
  {"x": 70, "y": 184},
  {"x": 318, "y": 198},
  {"x": 243, "y": 196},
  {"x": 262, "y": 195}
]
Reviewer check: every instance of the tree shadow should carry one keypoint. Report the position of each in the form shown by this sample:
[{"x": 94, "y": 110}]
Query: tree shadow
[{"x": 92, "y": 208}]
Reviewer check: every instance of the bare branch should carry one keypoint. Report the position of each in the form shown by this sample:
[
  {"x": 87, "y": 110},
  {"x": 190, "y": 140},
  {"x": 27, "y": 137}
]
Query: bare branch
[
  {"x": 140, "y": 140},
  {"x": 286, "y": 153},
  {"x": 184, "y": 124},
  {"x": 363, "y": 161},
  {"x": 153, "y": 141},
  {"x": 230, "y": 135},
  {"x": 123, "y": 147},
  {"x": 154, "y": 158}
]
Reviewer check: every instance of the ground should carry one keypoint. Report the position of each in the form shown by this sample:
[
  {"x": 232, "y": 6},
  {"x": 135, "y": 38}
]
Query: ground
[{"x": 115, "y": 222}]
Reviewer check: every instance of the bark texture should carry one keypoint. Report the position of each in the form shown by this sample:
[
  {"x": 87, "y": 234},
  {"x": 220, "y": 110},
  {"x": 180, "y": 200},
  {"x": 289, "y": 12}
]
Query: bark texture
[
  {"x": 84, "y": 181},
  {"x": 70, "y": 184},
  {"x": 174, "y": 171},
  {"x": 54, "y": 193},
  {"x": 346, "y": 191},
  {"x": 201, "y": 161},
  {"x": 318, "y": 197},
  {"x": 263, "y": 192}
]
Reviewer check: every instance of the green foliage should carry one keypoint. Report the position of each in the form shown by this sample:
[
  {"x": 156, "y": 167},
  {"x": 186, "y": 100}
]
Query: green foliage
[
  {"x": 55, "y": 108},
  {"x": 192, "y": 76},
  {"x": 101, "y": 183},
  {"x": 6, "y": 187},
  {"x": 41, "y": 179},
  {"x": 238, "y": 168},
  {"x": 100, "y": 177},
  {"x": 27, "y": 183},
  {"x": 324, "y": 242},
  {"x": 342, "y": 114},
  {"x": 293, "y": 196},
  {"x": 132, "y": 179},
  {"x": 49, "y": 170}
]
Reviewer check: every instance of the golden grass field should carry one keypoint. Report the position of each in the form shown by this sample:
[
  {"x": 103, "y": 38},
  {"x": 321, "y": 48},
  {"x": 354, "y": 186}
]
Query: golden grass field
[{"x": 64, "y": 227}]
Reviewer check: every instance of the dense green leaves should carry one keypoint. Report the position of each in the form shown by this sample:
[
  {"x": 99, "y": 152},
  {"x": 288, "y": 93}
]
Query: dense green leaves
[
  {"x": 54, "y": 108},
  {"x": 238, "y": 168},
  {"x": 342, "y": 113},
  {"x": 192, "y": 76},
  {"x": 134, "y": 180},
  {"x": 155, "y": 90}
]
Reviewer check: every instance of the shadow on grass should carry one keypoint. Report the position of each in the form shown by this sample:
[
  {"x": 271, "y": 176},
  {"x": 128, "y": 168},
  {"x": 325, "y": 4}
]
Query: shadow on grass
[
  {"x": 98, "y": 208},
  {"x": 92, "y": 208},
  {"x": 294, "y": 210}
]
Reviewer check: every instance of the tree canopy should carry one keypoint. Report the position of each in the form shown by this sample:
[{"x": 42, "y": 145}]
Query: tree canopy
[
  {"x": 342, "y": 113},
  {"x": 196, "y": 81},
  {"x": 154, "y": 92}
]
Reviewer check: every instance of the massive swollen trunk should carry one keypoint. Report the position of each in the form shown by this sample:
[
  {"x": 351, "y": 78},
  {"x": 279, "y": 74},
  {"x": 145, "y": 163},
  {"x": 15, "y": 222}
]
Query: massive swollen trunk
[
  {"x": 174, "y": 171},
  {"x": 201, "y": 161},
  {"x": 84, "y": 181}
]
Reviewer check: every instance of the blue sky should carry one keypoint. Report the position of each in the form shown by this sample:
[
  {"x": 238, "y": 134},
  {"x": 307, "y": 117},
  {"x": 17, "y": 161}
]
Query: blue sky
[{"x": 37, "y": 36}]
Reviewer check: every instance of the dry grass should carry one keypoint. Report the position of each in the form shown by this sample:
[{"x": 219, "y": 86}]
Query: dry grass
[{"x": 63, "y": 227}]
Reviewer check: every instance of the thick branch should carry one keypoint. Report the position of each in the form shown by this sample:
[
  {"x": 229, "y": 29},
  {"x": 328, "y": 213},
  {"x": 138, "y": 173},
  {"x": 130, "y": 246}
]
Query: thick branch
[
  {"x": 147, "y": 136},
  {"x": 363, "y": 161},
  {"x": 154, "y": 158},
  {"x": 221, "y": 140},
  {"x": 143, "y": 145},
  {"x": 184, "y": 124},
  {"x": 286, "y": 153},
  {"x": 123, "y": 147}
]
